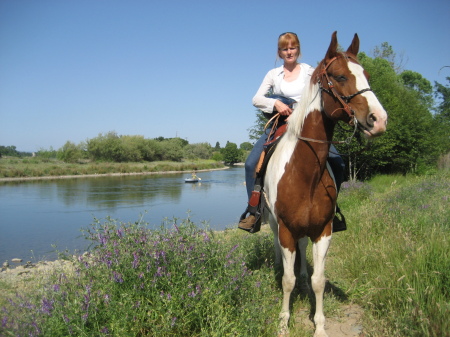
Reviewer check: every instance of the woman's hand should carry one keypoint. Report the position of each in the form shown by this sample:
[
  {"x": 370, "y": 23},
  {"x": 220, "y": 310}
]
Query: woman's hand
[{"x": 282, "y": 108}]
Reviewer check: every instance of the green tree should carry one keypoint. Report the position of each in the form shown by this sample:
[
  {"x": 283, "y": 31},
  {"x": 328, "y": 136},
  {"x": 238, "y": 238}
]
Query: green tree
[
  {"x": 71, "y": 153},
  {"x": 407, "y": 145},
  {"x": 231, "y": 153},
  {"x": 255, "y": 131},
  {"x": 442, "y": 117},
  {"x": 198, "y": 151},
  {"x": 420, "y": 85},
  {"x": 246, "y": 146}
]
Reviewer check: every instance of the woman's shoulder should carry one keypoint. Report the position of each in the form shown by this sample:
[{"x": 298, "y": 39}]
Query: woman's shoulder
[
  {"x": 309, "y": 69},
  {"x": 276, "y": 71}
]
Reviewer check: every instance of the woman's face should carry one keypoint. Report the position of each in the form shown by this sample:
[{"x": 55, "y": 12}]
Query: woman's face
[{"x": 289, "y": 54}]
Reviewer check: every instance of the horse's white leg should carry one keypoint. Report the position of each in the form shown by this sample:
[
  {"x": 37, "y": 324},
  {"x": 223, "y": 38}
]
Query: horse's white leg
[
  {"x": 320, "y": 249},
  {"x": 288, "y": 283}
]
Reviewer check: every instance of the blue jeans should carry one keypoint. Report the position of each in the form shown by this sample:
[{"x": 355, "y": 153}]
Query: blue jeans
[
  {"x": 334, "y": 159},
  {"x": 252, "y": 161}
]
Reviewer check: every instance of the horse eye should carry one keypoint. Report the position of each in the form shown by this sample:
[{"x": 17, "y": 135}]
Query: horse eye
[{"x": 340, "y": 78}]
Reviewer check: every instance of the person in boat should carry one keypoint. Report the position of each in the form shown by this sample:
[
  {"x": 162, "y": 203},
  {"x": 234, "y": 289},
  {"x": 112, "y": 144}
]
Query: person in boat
[
  {"x": 286, "y": 81},
  {"x": 194, "y": 176}
]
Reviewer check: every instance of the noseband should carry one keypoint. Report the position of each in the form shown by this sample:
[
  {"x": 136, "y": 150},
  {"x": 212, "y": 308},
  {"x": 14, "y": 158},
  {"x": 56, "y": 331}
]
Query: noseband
[{"x": 344, "y": 100}]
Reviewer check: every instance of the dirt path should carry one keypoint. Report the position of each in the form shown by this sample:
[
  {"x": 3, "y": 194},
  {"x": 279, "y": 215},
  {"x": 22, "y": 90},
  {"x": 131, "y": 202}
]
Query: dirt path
[{"x": 347, "y": 324}]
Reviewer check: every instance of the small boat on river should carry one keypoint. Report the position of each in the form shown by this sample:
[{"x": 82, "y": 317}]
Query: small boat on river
[{"x": 192, "y": 179}]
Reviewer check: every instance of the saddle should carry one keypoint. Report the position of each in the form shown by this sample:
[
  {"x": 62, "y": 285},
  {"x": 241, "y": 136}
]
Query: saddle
[{"x": 278, "y": 126}]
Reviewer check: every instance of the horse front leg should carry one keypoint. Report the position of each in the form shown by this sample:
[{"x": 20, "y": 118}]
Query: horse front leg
[
  {"x": 320, "y": 248},
  {"x": 287, "y": 246}
]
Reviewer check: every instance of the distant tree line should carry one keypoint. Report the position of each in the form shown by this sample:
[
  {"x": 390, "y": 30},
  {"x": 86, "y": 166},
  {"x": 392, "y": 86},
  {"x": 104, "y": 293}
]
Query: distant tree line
[
  {"x": 12, "y": 151},
  {"x": 112, "y": 147},
  {"x": 418, "y": 131}
]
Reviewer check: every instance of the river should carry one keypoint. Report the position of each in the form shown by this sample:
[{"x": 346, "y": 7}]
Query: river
[{"x": 37, "y": 216}]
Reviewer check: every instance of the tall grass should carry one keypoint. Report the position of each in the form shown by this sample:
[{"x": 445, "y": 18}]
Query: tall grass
[
  {"x": 183, "y": 280},
  {"x": 395, "y": 259},
  {"x": 37, "y": 167}
]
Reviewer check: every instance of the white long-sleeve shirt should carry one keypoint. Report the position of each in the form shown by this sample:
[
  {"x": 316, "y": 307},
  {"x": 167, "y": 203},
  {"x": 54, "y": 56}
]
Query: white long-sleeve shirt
[{"x": 273, "y": 82}]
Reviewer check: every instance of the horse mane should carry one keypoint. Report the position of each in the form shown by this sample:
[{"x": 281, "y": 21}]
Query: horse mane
[{"x": 310, "y": 101}]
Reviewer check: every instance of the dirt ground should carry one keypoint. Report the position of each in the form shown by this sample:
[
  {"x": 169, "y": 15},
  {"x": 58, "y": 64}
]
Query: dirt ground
[{"x": 347, "y": 324}]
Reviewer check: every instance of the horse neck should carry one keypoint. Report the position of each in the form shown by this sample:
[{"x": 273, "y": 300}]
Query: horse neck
[{"x": 310, "y": 121}]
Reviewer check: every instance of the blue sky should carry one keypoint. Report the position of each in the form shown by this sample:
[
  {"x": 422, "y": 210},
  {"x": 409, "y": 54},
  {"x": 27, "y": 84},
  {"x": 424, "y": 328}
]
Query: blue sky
[{"x": 70, "y": 70}]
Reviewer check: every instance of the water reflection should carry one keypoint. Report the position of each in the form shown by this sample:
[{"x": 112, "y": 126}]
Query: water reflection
[{"x": 36, "y": 214}]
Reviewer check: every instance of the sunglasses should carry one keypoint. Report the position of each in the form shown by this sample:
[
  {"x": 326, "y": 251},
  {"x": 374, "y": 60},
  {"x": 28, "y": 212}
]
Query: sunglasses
[{"x": 287, "y": 33}]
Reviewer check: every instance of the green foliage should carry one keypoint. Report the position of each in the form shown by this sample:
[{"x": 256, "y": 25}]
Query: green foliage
[
  {"x": 231, "y": 153},
  {"x": 71, "y": 153},
  {"x": 199, "y": 150},
  {"x": 257, "y": 129},
  {"x": 176, "y": 281},
  {"x": 409, "y": 144},
  {"x": 217, "y": 156},
  {"x": 442, "y": 117},
  {"x": 12, "y": 152},
  {"x": 46, "y": 154},
  {"x": 112, "y": 147},
  {"x": 395, "y": 255},
  {"x": 246, "y": 146}
]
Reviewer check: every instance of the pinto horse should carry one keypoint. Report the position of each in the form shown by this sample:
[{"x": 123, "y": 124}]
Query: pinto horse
[{"x": 300, "y": 192}]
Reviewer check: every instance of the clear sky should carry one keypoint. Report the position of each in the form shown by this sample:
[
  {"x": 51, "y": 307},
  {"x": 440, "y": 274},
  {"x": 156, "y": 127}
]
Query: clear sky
[{"x": 71, "y": 69}]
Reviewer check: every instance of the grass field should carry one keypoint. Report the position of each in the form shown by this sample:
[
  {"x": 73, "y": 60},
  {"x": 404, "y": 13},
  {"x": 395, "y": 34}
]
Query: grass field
[{"x": 185, "y": 280}]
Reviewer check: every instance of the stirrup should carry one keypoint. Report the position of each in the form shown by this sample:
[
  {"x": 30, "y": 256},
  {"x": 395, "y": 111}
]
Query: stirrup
[
  {"x": 341, "y": 223},
  {"x": 256, "y": 226}
]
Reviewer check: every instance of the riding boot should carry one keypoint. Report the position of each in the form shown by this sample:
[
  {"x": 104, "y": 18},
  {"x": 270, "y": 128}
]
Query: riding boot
[
  {"x": 339, "y": 225},
  {"x": 247, "y": 223}
]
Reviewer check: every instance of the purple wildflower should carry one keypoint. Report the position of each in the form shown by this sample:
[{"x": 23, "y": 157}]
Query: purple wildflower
[
  {"x": 205, "y": 237},
  {"x": 106, "y": 298},
  {"x": 135, "y": 263},
  {"x": 159, "y": 272},
  {"x": 47, "y": 306},
  {"x": 117, "y": 277},
  {"x": 4, "y": 321},
  {"x": 231, "y": 251},
  {"x": 119, "y": 232},
  {"x": 174, "y": 319}
]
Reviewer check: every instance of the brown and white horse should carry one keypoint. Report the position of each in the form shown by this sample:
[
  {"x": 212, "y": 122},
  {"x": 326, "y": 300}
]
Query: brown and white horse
[{"x": 300, "y": 192}]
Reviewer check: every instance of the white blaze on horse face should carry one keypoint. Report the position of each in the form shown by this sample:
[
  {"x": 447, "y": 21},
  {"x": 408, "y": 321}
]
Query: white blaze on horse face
[{"x": 376, "y": 120}]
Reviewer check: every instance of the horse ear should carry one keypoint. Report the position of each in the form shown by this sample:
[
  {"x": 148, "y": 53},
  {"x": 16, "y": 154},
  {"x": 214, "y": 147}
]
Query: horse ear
[
  {"x": 354, "y": 47},
  {"x": 332, "y": 49}
]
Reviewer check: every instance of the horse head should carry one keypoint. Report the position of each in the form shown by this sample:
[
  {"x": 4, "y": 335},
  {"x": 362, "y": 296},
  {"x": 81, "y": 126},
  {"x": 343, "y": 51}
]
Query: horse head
[{"x": 346, "y": 93}]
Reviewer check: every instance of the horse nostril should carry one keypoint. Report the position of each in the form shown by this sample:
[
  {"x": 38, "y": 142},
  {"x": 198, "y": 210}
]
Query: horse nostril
[{"x": 371, "y": 119}]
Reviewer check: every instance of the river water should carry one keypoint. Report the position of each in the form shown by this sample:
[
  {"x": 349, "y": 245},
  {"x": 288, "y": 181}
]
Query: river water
[{"x": 36, "y": 216}]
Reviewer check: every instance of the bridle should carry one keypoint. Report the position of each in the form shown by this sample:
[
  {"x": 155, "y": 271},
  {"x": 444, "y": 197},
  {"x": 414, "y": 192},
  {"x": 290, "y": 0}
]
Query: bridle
[{"x": 344, "y": 100}]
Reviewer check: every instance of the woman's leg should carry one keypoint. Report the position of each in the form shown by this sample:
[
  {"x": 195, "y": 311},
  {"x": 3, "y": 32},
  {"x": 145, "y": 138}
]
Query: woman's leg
[{"x": 252, "y": 161}]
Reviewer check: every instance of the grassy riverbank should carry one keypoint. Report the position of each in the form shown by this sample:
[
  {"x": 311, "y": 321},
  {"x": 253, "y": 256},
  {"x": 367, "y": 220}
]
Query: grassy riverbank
[
  {"x": 184, "y": 280},
  {"x": 20, "y": 168}
]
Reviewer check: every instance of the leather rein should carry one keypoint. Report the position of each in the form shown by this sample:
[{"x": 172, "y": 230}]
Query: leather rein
[{"x": 344, "y": 100}]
